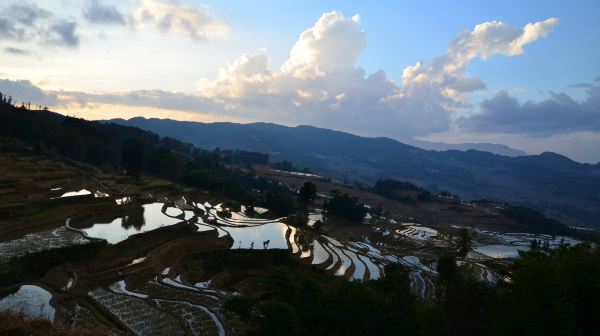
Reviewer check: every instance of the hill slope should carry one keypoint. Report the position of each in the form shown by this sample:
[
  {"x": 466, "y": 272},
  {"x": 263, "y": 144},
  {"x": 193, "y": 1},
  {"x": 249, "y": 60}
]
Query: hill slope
[{"x": 561, "y": 188}]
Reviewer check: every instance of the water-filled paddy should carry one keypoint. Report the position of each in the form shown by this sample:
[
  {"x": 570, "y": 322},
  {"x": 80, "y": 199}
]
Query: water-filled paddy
[
  {"x": 501, "y": 251},
  {"x": 418, "y": 232},
  {"x": 31, "y": 301},
  {"x": 40, "y": 241},
  {"x": 118, "y": 230},
  {"x": 269, "y": 236}
]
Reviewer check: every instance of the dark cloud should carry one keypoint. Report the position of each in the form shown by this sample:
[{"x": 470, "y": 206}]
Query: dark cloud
[
  {"x": 148, "y": 98},
  {"x": 27, "y": 22},
  {"x": 96, "y": 13},
  {"x": 597, "y": 79},
  {"x": 63, "y": 33},
  {"x": 15, "y": 51},
  {"x": 28, "y": 14},
  {"x": 8, "y": 31},
  {"x": 560, "y": 114},
  {"x": 23, "y": 90}
]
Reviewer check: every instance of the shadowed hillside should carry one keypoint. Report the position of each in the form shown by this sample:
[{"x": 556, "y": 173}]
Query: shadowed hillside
[{"x": 561, "y": 188}]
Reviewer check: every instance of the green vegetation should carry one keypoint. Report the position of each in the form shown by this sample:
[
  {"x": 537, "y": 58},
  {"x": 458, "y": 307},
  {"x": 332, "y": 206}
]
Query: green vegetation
[
  {"x": 16, "y": 325},
  {"x": 279, "y": 202},
  {"x": 345, "y": 206},
  {"x": 401, "y": 191},
  {"x": 129, "y": 149},
  {"x": 532, "y": 221},
  {"x": 308, "y": 193},
  {"x": 33, "y": 266},
  {"x": 464, "y": 242},
  {"x": 312, "y": 304},
  {"x": 288, "y": 166},
  {"x": 553, "y": 293}
]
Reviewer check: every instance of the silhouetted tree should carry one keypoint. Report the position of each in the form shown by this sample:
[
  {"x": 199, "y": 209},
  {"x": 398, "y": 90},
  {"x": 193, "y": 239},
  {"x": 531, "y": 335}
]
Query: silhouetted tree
[
  {"x": 345, "y": 206},
  {"x": 133, "y": 157},
  {"x": 308, "y": 193},
  {"x": 464, "y": 242}
]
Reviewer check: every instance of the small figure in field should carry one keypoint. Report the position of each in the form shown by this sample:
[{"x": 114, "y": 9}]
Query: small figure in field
[{"x": 266, "y": 244}]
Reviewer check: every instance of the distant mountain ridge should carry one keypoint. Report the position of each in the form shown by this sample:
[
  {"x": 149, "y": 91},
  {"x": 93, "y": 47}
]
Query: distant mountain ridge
[
  {"x": 484, "y": 147},
  {"x": 561, "y": 188}
]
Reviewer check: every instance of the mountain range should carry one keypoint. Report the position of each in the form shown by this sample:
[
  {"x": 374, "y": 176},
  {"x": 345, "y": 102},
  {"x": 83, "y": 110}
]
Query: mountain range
[{"x": 561, "y": 188}]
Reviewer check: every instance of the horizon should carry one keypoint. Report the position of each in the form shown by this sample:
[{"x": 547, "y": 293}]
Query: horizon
[
  {"x": 334, "y": 130},
  {"x": 488, "y": 75}
]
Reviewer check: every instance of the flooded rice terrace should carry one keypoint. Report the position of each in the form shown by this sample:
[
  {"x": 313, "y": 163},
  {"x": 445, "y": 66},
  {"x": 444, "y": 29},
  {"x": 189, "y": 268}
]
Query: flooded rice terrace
[
  {"x": 30, "y": 300},
  {"x": 147, "y": 295}
]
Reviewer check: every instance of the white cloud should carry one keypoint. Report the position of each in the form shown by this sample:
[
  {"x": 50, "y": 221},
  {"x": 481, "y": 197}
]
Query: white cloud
[
  {"x": 448, "y": 72},
  {"x": 332, "y": 43},
  {"x": 171, "y": 16},
  {"x": 321, "y": 84},
  {"x": 246, "y": 76}
]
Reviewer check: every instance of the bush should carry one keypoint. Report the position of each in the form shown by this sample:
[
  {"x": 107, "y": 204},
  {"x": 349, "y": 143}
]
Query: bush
[{"x": 345, "y": 206}]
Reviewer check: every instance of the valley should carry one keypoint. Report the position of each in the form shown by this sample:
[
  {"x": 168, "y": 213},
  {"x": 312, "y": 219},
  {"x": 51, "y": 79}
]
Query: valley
[{"x": 178, "y": 255}]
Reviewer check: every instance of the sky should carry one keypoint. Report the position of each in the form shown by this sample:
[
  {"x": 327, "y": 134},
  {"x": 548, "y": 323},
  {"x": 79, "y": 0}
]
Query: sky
[{"x": 523, "y": 74}]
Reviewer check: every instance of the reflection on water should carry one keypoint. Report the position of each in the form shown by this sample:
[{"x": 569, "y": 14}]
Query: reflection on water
[
  {"x": 31, "y": 301},
  {"x": 266, "y": 236},
  {"x": 418, "y": 232},
  {"x": 501, "y": 251},
  {"x": 149, "y": 218},
  {"x": 135, "y": 219},
  {"x": 320, "y": 254}
]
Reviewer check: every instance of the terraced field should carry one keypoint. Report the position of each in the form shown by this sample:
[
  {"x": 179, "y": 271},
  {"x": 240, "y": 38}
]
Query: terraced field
[{"x": 140, "y": 282}]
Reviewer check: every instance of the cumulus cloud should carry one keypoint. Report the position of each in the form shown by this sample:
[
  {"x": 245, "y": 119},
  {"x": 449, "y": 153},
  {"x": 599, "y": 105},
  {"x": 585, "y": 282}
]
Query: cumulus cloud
[
  {"x": 448, "y": 72},
  {"x": 559, "y": 114},
  {"x": 102, "y": 14},
  {"x": 333, "y": 43},
  {"x": 320, "y": 82},
  {"x": 170, "y": 16},
  {"x": 25, "y": 22}
]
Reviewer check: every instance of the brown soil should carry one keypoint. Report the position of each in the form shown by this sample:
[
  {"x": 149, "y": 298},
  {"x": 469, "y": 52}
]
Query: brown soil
[{"x": 441, "y": 212}]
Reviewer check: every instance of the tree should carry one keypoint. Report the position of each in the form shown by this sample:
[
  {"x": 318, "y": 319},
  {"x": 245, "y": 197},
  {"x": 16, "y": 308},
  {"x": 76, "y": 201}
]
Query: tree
[
  {"x": 345, "y": 206},
  {"x": 446, "y": 267},
  {"x": 133, "y": 157},
  {"x": 308, "y": 193},
  {"x": 378, "y": 211},
  {"x": 534, "y": 245},
  {"x": 279, "y": 202},
  {"x": 464, "y": 242}
]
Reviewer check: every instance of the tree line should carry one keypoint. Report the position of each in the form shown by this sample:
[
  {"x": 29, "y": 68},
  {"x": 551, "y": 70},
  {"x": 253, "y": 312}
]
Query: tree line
[
  {"x": 555, "y": 292},
  {"x": 127, "y": 150}
]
